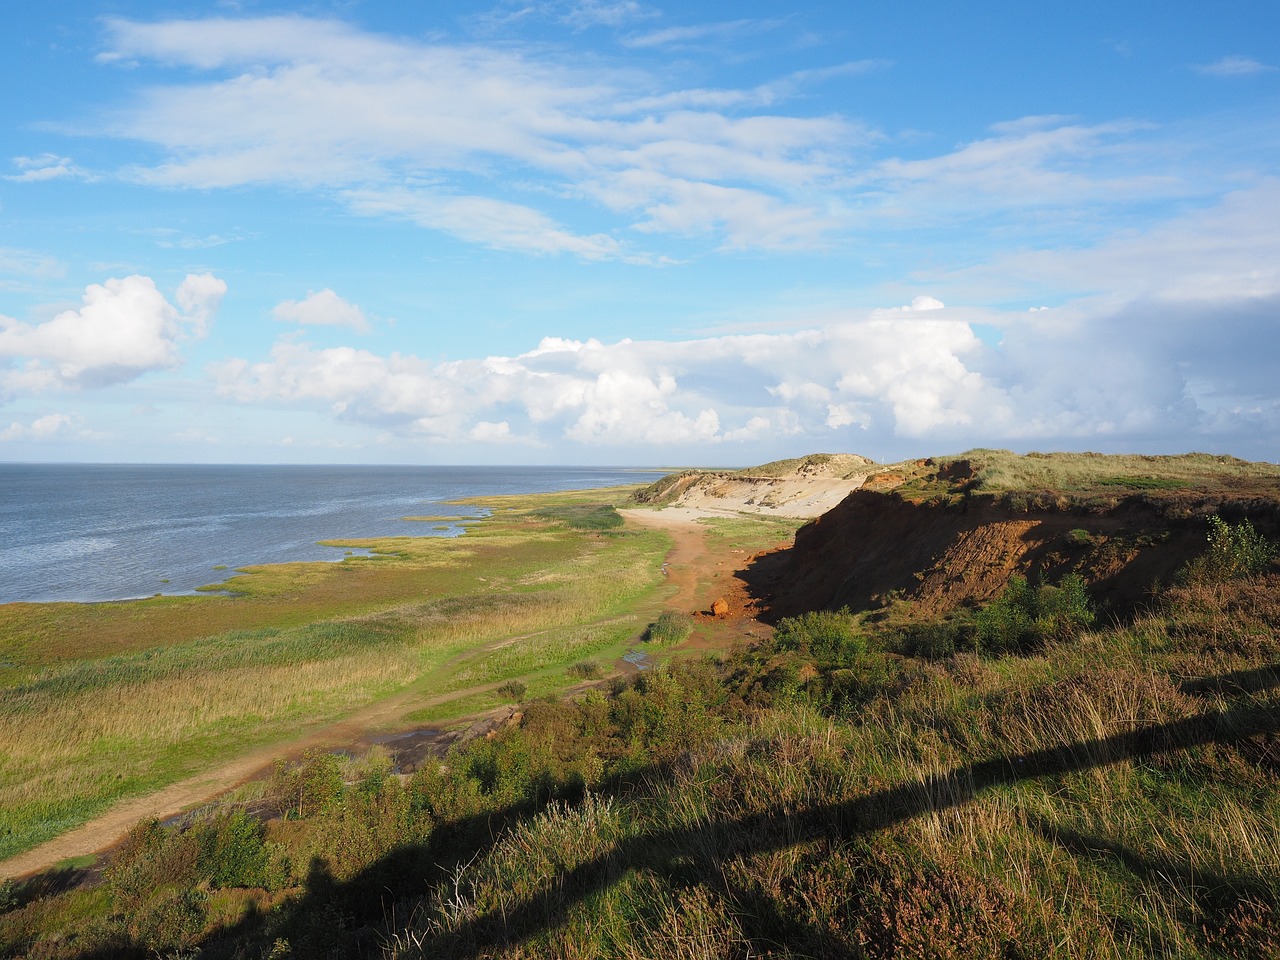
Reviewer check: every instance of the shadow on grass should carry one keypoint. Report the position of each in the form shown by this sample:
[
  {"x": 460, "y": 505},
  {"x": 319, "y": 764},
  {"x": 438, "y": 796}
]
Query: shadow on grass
[
  {"x": 344, "y": 918},
  {"x": 323, "y": 917}
]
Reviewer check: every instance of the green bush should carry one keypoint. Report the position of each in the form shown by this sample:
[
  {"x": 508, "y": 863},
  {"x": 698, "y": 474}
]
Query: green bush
[
  {"x": 515, "y": 689},
  {"x": 233, "y": 854},
  {"x": 1234, "y": 551},
  {"x": 586, "y": 670},
  {"x": 151, "y": 858},
  {"x": 669, "y": 628},
  {"x": 309, "y": 787},
  {"x": 936, "y": 639},
  {"x": 1025, "y": 615},
  {"x": 829, "y": 635}
]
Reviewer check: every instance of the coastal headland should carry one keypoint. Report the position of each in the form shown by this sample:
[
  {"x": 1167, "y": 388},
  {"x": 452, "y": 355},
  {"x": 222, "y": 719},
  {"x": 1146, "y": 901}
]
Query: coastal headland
[{"x": 1023, "y": 705}]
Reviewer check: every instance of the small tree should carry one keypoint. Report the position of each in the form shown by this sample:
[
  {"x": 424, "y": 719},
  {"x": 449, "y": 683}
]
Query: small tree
[{"x": 1234, "y": 551}]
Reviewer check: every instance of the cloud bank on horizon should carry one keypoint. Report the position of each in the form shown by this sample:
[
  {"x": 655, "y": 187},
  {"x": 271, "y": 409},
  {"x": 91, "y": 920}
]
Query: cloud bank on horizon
[{"x": 623, "y": 233}]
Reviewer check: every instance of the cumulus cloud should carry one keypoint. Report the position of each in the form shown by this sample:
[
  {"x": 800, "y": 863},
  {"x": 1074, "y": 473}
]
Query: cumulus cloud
[
  {"x": 919, "y": 304},
  {"x": 325, "y": 308},
  {"x": 42, "y": 428},
  {"x": 487, "y": 432},
  {"x": 917, "y": 374},
  {"x": 905, "y": 376},
  {"x": 123, "y": 328}
]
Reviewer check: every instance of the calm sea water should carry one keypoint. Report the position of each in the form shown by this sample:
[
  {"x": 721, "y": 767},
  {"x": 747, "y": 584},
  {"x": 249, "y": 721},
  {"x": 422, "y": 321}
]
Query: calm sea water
[{"x": 114, "y": 531}]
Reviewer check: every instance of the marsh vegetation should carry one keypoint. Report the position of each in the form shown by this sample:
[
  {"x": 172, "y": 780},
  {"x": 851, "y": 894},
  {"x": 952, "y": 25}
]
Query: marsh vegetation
[{"x": 102, "y": 702}]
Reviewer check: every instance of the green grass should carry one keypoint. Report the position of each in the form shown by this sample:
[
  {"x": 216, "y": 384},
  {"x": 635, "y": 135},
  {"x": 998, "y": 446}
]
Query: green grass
[
  {"x": 749, "y": 532},
  {"x": 584, "y": 516},
  {"x": 1108, "y": 791},
  {"x": 81, "y": 733},
  {"x": 999, "y": 470},
  {"x": 669, "y": 629}
]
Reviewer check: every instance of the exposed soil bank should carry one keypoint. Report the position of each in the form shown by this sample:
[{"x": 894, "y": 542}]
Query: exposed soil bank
[{"x": 943, "y": 553}]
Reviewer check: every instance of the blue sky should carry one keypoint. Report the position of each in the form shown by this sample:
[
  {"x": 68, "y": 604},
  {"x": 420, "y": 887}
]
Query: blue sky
[{"x": 619, "y": 232}]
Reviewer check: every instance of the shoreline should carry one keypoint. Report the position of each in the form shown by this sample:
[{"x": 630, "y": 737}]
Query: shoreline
[
  {"x": 90, "y": 536},
  {"x": 428, "y": 660}
]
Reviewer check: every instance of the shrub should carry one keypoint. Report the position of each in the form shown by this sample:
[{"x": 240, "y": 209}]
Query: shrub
[
  {"x": 515, "y": 689},
  {"x": 936, "y": 639},
  {"x": 1025, "y": 616},
  {"x": 586, "y": 669},
  {"x": 309, "y": 787},
  {"x": 1234, "y": 551},
  {"x": 151, "y": 858},
  {"x": 232, "y": 852},
  {"x": 669, "y": 628},
  {"x": 829, "y": 635}
]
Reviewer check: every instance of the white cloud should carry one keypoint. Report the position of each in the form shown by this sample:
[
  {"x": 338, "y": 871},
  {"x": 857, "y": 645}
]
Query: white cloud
[
  {"x": 1226, "y": 251},
  {"x": 42, "y": 428},
  {"x": 1031, "y": 163},
  {"x": 899, "y": 375},
  {"x": 920, "y": 304},
  {"x": 487, "y": 432},
  {"x": 47, "y": 166},
  {"x": 199, "y": 296},
  {"x": 325, "y": 308},
  {"x": 590, "y": 13},
  {"x": 491, "y": 223},
  {"x": 702, "y": 34},
  {"x": 409, "y": 129},
  {"x": 124, "y": 328},
  {"x": 1233, "y": 66},
  {"x": 525, "y": 148},
  {"x": 916, "y": 373}
]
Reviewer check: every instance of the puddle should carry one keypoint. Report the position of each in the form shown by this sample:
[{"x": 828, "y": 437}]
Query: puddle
[{"x": 638, "y": 659}]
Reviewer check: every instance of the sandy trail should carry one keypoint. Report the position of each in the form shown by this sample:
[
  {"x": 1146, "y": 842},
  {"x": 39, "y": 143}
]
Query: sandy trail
[
  {"x": 689, "y": 569},
  {"x": 686, "y": 562}
]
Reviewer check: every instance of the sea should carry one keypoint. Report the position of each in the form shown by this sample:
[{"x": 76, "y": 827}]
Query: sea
[{"x": 97, "y": 532}]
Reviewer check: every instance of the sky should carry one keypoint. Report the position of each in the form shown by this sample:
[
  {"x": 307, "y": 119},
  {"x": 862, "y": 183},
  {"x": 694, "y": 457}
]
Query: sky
[{"x": 599, "y": 232}]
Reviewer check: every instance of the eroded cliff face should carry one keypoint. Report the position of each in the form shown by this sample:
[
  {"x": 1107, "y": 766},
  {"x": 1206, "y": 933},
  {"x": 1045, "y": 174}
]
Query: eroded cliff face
[
  {"x": 949, "y": 552},
  {"x": 806, "y": 487}
]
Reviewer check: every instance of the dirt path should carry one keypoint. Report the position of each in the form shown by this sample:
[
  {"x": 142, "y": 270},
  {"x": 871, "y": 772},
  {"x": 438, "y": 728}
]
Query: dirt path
[{"x": 697, "y": 577}]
